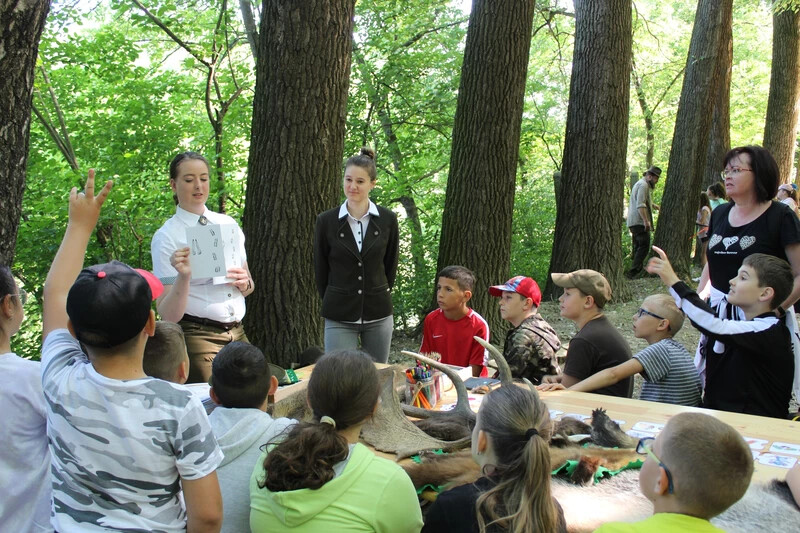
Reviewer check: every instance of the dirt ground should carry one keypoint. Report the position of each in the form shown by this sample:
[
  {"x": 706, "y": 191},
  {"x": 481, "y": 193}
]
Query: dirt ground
[{"x": 619, "y": 314}]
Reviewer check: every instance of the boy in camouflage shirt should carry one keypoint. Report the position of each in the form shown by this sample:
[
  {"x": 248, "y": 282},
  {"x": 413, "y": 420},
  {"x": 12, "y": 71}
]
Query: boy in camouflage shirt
[{"x": 531, "y": 345}]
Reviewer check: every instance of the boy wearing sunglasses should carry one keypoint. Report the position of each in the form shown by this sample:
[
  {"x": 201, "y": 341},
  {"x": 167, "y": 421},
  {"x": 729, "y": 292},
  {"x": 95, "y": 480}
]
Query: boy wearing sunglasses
[
  {"x": 696, "y": 468},
  {"x": 666, "y": 366}
]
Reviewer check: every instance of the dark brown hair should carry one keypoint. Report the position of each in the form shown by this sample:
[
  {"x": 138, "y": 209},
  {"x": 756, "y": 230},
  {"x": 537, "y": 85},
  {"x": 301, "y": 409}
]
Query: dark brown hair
[
  {"x": 521, "y": 500},
  {"x": 461, "y": 275},
  {"x": 180, "y": 158},
  {"x": 240, "y": 376},
  {"x": 7, "y": 283},
  {"x": 164, "y": 351},
  {"x": 764, "y": 167},
  {"x": 710, "y": 462},
  {"x": 772, "y": 272},
  {"x": 366, "y": 160},
  {"x": 344, "y": 386},
  {"x": 718, "y": 189}
]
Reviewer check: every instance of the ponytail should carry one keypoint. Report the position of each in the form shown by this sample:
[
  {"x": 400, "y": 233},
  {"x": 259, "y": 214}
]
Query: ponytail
[
  {"x": 521, "y": 501},
  {"x": 342, "y": 392}
]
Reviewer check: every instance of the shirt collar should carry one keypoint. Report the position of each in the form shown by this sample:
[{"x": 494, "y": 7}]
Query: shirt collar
[
  {"x": 373, "y": 210},
  {"x": 190, "y": 219}
]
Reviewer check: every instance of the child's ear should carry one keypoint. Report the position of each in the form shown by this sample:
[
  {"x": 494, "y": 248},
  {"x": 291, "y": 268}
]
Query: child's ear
[
  {"x": 588, "y": 301},
  {"x": 767, "y": 293},
  {"x": 6, "y": 306},
  {"x": 467, "y": 295},
  {"x": 183, "y": 371},
  {"x": 273, "y": 385},
  {"x": 214, "y": 398},
  {"x": 150, "y": 326},
  {"x": 482, "y": 441},
  {"x": 663, "y": 325},
  {"x": 662, "y": 482}
]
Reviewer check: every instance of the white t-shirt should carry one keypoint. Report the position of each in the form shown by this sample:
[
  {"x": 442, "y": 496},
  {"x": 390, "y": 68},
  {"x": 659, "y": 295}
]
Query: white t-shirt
[
  {"x": 119, "y": 447},
  {"x": 223, "y": 303},
  {"x": 24, "y": 457}
]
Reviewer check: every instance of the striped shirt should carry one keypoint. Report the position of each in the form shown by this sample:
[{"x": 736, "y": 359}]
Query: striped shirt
[{"x": 669, "y": 373}]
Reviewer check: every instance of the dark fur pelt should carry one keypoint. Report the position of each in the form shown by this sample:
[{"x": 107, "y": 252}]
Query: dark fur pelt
[
  {"x": 448, "y": 429},
  {"x": 606, "y": 432}
]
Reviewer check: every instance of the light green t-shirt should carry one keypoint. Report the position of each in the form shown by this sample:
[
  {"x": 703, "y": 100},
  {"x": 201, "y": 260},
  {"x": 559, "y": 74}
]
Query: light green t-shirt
[{"x": 662, "y": 523}]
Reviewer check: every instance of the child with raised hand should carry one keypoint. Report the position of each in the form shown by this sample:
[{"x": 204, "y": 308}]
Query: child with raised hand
[
  {"x": 667, "y": 368},
  {"x": 122, "y": 444},
  {"x": 510, "y": 443},
  {"x": 696, "y": 468},
  {"x": 24, "y": 457},
  {"x": 320, "y": 478},
  {"x": 749, "y": 363}
]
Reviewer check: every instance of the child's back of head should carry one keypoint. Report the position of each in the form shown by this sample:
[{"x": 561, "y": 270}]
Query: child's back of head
[
  {"x": 462, "y": 275},
  {"x": 664, "y": 305},
  {"x": 165, "y": 352},
  {"x": 240, "y": 376},
  {"x": 772, "y": 272},
  {"x": 710, "y": 462}
]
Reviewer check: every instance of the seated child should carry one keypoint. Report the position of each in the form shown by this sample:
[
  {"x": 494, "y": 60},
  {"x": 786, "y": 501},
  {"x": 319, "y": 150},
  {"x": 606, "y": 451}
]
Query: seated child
[
  {"x": 165, "y": 355},
  {"x": 24, "y": 457},
  {"x": 749, "y": 363},
  {"x": 667, "y": 368},
  {"x": 531, "y": 345},
  {"x": 240, "y": 384},
  {"x": 320, "y": 477},
  {"x": 122, "y": 444},
  {"x": 510, "y": 443},
  {"x": 696, "y": 468},
  {"x": 449, "y": 330}
]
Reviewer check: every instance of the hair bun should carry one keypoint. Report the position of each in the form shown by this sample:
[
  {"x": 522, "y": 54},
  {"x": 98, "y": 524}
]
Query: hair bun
[{"x": 367, "y": 151}]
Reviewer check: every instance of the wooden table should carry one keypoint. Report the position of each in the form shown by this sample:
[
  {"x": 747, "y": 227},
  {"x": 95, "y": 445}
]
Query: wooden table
[{"x": 630, "y": 412}]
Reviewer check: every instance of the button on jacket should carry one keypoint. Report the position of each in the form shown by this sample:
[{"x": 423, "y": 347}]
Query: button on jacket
[{"x": 355, "y": 285}]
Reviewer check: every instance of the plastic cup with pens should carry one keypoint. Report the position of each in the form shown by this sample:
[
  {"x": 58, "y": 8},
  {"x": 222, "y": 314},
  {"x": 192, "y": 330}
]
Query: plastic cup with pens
[{"x": 424, "y": 386}]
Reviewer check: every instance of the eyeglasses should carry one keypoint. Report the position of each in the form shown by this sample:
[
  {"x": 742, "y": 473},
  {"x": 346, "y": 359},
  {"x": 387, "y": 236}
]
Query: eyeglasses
[
  {"x": 644, "y": 447},
  {"x": 23, "y": 296},
  {"x": 734, "y": 171},
  {"x": 643, "y": 311}
]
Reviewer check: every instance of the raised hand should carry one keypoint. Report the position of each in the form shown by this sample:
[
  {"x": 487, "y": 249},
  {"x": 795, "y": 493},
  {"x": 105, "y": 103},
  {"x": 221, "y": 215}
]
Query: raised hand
[
  {"x": 662, "y": 268},
  {"x": 84, "y": 207}
]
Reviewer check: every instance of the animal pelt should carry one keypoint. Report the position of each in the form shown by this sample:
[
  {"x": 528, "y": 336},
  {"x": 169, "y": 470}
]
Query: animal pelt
[
  {"x": 449, "y": 429},
  {"x": 459, "y": 468}
]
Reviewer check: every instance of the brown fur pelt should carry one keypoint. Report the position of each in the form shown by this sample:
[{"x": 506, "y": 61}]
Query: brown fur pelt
[
  {"x": 448, "y": 429},
  {"x": 459, "y": 468}
]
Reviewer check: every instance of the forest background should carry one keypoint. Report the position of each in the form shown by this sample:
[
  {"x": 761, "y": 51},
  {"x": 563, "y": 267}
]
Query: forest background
[{"x": 122, "y": 86}]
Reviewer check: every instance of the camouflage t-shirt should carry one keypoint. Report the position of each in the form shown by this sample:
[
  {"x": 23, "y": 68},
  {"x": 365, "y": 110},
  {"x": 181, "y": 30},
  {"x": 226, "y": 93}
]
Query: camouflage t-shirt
[
  {"x": 119, "y": 447},
  {"x": 530, "y": 349}
]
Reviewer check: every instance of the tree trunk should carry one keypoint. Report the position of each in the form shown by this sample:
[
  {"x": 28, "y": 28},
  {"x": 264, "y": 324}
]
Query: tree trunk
[
  {"x": 593, "y": 174},
  {"x": 20, "y": 29},
  {"x": 780, "y": 130},
  {"x": 479, "y": 201},
  {"x": 295, "y": 165},
  {"x": 687, "y": 156},
  {"x": 720, "y": 140}
]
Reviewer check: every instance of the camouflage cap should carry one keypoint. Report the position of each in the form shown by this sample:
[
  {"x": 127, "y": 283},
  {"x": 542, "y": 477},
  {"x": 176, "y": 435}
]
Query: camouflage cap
[{"x": 588, "y": 281}]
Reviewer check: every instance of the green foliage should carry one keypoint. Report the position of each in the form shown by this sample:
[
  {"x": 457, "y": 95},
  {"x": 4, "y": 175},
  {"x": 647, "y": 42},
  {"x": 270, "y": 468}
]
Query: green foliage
[{"x": 132, "y": 98}]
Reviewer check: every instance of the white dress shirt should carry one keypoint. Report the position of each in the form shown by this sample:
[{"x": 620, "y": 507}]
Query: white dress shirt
[{"x": 223, "y": 303}]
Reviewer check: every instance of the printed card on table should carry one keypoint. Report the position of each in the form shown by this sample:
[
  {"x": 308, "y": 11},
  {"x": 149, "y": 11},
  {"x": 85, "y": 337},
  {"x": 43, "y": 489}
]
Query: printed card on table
[
  {"x": 781, "y": 461},
  {"x": 649, "y": 427},
  {"x": 755, "y": 444},
  {"x": 640, "y": 434},
  {"x": 213, "y": 250},
  {"x": 785, "y": 447},
  {"x": 582, "y": 418}
]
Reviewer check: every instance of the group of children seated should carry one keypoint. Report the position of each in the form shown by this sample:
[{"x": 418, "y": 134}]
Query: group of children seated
[{"x": 133, "y": 453}]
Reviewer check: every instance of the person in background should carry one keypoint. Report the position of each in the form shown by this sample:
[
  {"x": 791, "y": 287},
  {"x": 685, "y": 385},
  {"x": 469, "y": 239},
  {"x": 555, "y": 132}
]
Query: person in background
[
  {"x": 716, "y": 195},
  {"x": 701, "y": 228},
  {"x": 210, "y": 314},
  {"x": 165, "y": 355},
  {"x": 788, "y": 195},
  {"x": 24, "y": 455},
  {"x": 356, "y": 247},
  {"x": 640, "y": 218}
]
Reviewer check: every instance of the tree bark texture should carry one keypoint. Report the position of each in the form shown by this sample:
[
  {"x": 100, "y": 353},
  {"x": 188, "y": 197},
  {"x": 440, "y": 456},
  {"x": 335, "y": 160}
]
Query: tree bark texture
[
  {"x": 589, "y": 213},
  {"x": 295, "y": 165},
  {"x": 687, "y": 158},
  {"x": 780, "y": 130},
  {"x": 21, "y": 25},
  {"x": 720, "y": 139},
  {"x": 479, "y": 201}
]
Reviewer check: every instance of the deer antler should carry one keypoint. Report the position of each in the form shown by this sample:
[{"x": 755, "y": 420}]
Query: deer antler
[
  {"x": 502, "y": 364},
  {"x": 462, "y": 407}
]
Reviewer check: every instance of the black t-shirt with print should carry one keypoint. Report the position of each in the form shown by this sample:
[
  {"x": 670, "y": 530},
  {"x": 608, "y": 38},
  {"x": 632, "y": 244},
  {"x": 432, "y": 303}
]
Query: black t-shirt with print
[{"x": 769, "y": 234}]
